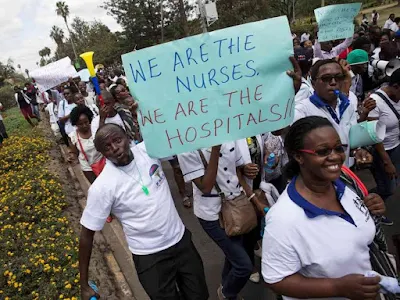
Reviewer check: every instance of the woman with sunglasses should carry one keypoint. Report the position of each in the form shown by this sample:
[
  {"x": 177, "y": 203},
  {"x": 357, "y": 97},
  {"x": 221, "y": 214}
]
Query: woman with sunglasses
[
  {"x": 329, "y": 102},
  {"x": 316, "y": 236}
]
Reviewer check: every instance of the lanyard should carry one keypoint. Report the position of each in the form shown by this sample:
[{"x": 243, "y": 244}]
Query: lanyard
[{"x": 145, "y": 189}]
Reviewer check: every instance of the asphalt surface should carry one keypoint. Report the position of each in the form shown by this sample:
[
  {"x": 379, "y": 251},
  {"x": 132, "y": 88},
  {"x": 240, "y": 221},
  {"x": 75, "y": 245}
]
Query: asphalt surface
[{"x": 213, "y": 257}]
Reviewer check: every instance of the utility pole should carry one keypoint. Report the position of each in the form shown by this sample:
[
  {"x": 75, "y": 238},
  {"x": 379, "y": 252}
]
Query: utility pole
[
  {"x": 322, "y": 3},
  {"x": 162, "y": 22},
  {"x": 202, "y": 15}
]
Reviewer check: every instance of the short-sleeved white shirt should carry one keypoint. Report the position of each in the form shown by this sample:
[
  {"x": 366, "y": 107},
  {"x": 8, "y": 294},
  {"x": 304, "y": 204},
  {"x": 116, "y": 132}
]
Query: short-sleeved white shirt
[
  {"x": 64, "y": 109},
  {"x": 150, "y": 222},
  {"x": 385, "y": 115},
  {"x": 349, "y": 118},
  {"x": 302, "y": 238},
  {"x": 52, "y": 109},
  {"x": 208, "y": 207},
  {"x": 113, "y": 120}
]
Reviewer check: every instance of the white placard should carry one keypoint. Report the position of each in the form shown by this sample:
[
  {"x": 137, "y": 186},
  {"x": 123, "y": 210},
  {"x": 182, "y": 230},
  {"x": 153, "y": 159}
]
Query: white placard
[{"x": 53, "y": 74}]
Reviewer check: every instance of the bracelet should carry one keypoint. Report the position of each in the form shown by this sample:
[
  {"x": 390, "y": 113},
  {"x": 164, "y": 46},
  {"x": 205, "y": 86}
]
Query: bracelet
[{"x": 251, "y": 197}]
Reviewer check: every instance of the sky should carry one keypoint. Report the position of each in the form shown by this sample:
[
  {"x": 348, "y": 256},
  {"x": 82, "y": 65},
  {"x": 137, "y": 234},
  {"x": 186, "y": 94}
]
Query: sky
[{"x": 25, "y": 26}]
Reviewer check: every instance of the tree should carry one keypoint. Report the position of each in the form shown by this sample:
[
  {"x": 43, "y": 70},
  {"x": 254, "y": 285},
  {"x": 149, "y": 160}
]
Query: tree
[
  {"x": 141, "y": 20},
  {"x": 63, "y": 11},
  {"x": 57, "y": 34}
]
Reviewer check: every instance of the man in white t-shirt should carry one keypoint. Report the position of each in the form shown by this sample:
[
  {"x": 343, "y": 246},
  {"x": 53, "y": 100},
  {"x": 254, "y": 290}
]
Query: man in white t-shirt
[
  {"x": 395, "y": 25},
  {"x": 133, "y": 187},
  {"x": 64, "y": 109},
  {"x": 108, "y": 114}
]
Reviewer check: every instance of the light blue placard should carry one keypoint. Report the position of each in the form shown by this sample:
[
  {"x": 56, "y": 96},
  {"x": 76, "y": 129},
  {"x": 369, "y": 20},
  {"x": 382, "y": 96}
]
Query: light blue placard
[
  {"x": 213, "y": 88},
  {"x": 336, "y": 21}
]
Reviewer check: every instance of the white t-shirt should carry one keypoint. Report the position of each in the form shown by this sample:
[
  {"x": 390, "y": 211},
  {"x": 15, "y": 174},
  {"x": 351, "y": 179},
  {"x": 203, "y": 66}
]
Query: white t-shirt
[
  {"x": 64, "y": 109},
  {"x": 304, "y": 37},
  {"x": 150, "y": 222},
  {"x": 90, "y": 99},
  {"x": 113, "y": 120},
  {"x": 302, "y": 238},
  {"x": 88, "y": 147},
  {"x": 385, "y": 115},
  {"x": 387, "y": 24},
  {"x": 394, "y": 27},
  {"x": 349, "y": 118},
  {"x": 52, "y": 109},
  {"x": 208, "y": 207}
]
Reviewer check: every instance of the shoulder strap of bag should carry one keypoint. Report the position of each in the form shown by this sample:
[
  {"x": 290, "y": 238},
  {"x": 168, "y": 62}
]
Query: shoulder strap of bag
[
  {"x": 80, "y": 146},
  {"x": 203, "y": 159},
  {"x": 384, "y": 98}
]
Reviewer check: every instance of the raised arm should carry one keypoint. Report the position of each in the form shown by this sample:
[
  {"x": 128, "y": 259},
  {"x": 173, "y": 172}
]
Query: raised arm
[
  {"x": 206, "y": 182},
  {"x": 343, "y": 46}
]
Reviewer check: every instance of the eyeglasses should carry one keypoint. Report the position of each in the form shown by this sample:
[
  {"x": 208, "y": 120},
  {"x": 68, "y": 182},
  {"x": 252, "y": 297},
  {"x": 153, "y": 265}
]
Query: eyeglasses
[
  {"x": 324, "y": 152},
  {"x": 328, "y": 78}
]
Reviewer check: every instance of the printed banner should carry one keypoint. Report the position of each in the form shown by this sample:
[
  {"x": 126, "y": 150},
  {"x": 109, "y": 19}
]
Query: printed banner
[
  {"x": 53, "y": 74},
  {"x": 213, "y": 88},
  {"x": 336, "y": 21}
]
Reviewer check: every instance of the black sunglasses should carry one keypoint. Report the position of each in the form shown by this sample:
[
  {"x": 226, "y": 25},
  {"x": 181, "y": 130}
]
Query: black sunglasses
[{"x": 328, "y": 78}]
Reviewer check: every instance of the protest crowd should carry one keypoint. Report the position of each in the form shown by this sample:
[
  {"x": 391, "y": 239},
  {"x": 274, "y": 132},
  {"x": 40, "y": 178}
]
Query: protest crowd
[{"x": 290, "y": 196}]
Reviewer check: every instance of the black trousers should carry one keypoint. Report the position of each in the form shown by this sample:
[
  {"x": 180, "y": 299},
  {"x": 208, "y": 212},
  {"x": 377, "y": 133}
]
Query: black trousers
[{"x": 178, "y": 266}]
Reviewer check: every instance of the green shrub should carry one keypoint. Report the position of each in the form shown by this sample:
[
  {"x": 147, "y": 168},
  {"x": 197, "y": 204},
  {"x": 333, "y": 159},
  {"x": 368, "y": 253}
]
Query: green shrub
[{"x": 7, "y": 96}]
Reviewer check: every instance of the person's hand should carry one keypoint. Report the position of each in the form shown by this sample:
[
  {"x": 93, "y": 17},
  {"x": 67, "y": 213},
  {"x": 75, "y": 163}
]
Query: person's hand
[
  {"x": 295, "y": 74},
  {"x": 357, "y": 286},
  {"x": 103, "y": 112},
  {"x": 347, "y": 80},
  {"x": 368, "y": 105},
  {"x": 390, "y": 169},
  {"x": 133, "y": 106},
  {"x": 251, "y": 171},
  {"x": 375, "y": 204},
  {"x": 363, "y": 157},
  {"x": 259, "y": 205},
  {"x": 87, "y": 292}
]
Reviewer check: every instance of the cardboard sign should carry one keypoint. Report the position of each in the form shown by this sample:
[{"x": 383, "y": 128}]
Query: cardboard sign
[
  {"x": 336, "y": 21},
  {"x": 53, "y": 74},
  {"x": 213, "y": 88}
]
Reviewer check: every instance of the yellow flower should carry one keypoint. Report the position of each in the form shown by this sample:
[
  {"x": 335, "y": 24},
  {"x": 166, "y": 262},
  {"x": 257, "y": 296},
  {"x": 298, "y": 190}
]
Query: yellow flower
[
  {"x": 61, "y": 296},
  {"x": 68, "y": 286}
]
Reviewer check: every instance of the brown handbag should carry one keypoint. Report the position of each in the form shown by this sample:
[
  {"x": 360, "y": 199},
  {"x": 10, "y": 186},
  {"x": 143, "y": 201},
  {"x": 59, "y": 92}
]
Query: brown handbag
[{"x": 238, "y": 215}]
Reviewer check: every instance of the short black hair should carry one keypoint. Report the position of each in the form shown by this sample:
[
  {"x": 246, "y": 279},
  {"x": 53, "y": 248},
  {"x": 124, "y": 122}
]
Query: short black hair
[
  {"x": 78, "y": 111},
  {"x": 315, "y": 68},
  {"x": 104, "y": 130},
  {"x": 396, "y": 20},
  {"x": 360, "y": 42},
  {"x": 395, "y": 78},
  {"x": 294, "y": 140}
]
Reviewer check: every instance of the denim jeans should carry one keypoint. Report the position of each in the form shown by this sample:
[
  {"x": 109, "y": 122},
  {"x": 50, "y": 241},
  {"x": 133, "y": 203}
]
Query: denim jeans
[
  {"x": 385, "y": 187},
  {"x": 238, "y": 267},
  {"x": 35, "y": 110}
]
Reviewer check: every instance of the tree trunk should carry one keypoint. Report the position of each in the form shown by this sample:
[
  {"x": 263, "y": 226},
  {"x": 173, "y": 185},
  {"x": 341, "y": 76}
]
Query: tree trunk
[{"x": 184, "y": 22}]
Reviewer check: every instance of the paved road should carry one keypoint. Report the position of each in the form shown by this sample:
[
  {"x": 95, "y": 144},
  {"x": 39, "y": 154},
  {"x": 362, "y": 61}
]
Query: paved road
[{"x": 213, "y": 257}]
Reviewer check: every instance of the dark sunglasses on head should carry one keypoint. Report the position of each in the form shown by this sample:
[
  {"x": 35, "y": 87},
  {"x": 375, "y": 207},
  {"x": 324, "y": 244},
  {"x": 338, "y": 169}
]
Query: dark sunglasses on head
[
  {"x": 328, "y": 78},
  {"x": 323, "y": 152}
]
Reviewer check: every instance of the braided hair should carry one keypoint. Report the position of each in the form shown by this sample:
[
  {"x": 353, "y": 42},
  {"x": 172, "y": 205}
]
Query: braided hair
[{"x": 294, "y": 140}]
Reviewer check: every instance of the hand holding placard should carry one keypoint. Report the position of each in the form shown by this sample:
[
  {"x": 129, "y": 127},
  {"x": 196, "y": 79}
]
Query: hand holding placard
[{"x": 213, "y": 88}]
